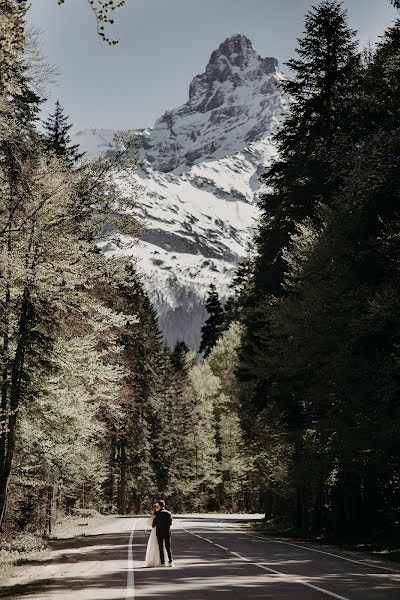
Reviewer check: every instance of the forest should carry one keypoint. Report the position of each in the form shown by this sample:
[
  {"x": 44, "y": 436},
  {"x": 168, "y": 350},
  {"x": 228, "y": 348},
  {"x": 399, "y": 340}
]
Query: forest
[{"x": 291, "y": 407}]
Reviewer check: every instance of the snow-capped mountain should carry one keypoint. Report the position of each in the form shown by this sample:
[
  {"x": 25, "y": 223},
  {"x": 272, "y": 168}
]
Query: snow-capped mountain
[{"x": 201, "y": 163}]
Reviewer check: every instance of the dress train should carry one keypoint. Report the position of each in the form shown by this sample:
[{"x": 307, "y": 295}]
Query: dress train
[{"x": 152, "y": 552}]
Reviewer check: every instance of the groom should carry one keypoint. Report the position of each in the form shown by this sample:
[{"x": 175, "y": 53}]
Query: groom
[{"x": 162, "y": 522}]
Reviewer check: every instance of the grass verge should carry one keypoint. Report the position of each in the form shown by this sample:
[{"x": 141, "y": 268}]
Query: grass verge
[
  {"x": 18, "y": 551},
  {"x": 25, "y": 549},
  {"x": 77, "y": 526}
]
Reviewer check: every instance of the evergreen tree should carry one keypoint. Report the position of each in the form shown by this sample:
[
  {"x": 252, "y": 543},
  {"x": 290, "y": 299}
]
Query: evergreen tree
[
  {"x": 328, "y": 63},
  {"x": 131, "y": 477},
  {"x": 202, "y": 393},
  {"x": 322, "y": 369},
  {"x": 215, "y": 324},
  {"x": 303, "y": 182},
  {"x": 234, "y": 461},
  {"x": 173, "y": 445},
  {"x": 180, "y": 358},
  {"x": 57, "y": 139},
  {"x": 143, "y": 350},
  {"x": 14, "y": 71},
  {"x": 49, "y": 258},
  {"x": 164, "y": 448}
]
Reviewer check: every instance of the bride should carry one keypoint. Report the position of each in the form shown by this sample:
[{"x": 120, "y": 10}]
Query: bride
[{"x": 153, "y": 552}]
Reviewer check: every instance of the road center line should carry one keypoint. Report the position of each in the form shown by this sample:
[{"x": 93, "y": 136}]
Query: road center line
[
  {"x": 260, "y": 566},
  {"x": 352, "y": 560},
  {"x": 130, "y": 579},
  {"x": 222, "y": 547}
]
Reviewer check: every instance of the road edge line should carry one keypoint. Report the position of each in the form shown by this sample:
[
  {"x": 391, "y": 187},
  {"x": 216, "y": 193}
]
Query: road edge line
[
  {"x": 358, "y": 562},
  {"x": 130, "y": 577},
  {"x": 260, "y": 566}
]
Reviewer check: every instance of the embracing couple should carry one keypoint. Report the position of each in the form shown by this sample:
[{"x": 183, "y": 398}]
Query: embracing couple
[{"x": 159, "y": 544}]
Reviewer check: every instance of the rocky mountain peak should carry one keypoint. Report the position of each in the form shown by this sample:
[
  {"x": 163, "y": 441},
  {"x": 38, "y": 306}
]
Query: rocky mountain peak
[
  {"x": 234, "y": 102},
  {"x": 235, "y": 61},
  {"x": 201, "y": 168},
  {"x": 238, "y": 51},
  {"x": 235, "y": 51}
]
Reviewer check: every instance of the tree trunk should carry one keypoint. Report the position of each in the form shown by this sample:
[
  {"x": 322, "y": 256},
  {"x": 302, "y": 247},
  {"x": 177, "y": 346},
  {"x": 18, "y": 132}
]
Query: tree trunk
[
  {"x": 49, "y": 509},
  {"x": 109, "y": 484},
  {"x": 15, "y": 394},
  {"x": 5, "y": 384},
  {"x": 268, "y": 505},
  {"x": 122, "y": 480},
  {"x": 317, "y": 516},
  {"x": 301, "y": 509}
]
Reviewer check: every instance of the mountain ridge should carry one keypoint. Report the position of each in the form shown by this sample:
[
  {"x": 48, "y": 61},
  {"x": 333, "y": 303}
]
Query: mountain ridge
[{"x": 200, "y": 173}]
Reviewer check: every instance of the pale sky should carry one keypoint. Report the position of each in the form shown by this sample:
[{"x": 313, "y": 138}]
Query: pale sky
[{"x": 163, "y": 45}]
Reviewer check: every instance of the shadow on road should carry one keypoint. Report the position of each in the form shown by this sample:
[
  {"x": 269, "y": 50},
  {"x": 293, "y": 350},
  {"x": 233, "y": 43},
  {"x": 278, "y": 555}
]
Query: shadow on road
[
  {"x": 96, "y": 566},
  {"x": 66, "y": 584},
  {"x": 93, "y": 549}
]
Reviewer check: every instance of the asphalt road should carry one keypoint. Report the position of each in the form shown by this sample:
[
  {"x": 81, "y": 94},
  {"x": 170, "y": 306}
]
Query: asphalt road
[{"x": 214, "y": 560}]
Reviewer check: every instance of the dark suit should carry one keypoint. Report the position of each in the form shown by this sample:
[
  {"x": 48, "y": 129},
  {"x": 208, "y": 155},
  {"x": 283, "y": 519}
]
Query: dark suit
[{"x": 162, "y": 522}]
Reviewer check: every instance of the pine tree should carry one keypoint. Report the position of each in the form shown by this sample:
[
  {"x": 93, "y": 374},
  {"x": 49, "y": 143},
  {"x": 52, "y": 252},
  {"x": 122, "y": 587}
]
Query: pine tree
[
  {"x": 143, "y": 347},
  {"x": 205, "y": 473},
  {"x": 131, "y": 476},
  {"x": 234, "y": 461},
  {"x": 180, "y": 360},
  {"x": 57, "y": 139},
  {"x": 329, "y": 341},
  {"x": 328, "y": 63},
  {"x": 48, "y": 228},
  {"x": 303, "y": 185},
  {"x": 215, "y": 324}
]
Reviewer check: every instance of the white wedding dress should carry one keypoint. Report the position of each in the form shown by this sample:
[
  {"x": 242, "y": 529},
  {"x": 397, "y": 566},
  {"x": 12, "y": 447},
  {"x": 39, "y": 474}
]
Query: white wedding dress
[{"x": 152, "y": 552}]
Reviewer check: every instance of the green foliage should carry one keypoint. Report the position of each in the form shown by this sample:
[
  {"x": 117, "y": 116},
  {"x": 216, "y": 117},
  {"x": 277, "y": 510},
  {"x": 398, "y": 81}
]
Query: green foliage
[
  {"x": 295, "y": 405},
  {"x": 215, "y": 386},
  {"x": 57, "y": 139},
  {"x": 12, "y": 42},
  {"x": 327, "y": 64},
  {"x": 321, "y": 329},
  {"x": 57, "y": 373},
  {"x": 215, "y": 324},
  {"x": 203, "y": 392},
  {"x": 131, "y": 434}
]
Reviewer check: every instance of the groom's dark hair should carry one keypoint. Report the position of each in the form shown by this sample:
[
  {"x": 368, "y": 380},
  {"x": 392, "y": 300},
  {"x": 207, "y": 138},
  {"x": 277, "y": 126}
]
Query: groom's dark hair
[{"x": 161, "y": 503}]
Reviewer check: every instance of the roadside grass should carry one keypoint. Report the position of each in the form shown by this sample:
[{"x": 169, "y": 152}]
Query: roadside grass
[
  {"x": 24, "y": 549},
  {"x": 19, "y": 551},
  {"x": 79, "y": 526},
  {"x": 383, "y": 551}
]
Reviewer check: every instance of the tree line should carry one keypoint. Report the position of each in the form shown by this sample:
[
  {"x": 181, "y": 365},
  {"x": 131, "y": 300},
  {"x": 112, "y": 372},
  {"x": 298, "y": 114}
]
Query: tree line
[
  {"x": 96, "y": 411},
  {"x": 318, "y": 299},
  {"x": 291, "y": 405}
]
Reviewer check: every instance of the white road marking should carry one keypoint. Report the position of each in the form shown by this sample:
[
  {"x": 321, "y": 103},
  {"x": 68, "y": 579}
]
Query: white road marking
[
  {"x": 222, "y": 547},
  {"x": 130, "y": 580},
  {"x": 352, "y": 560},
  {"x": 260, "y": 566}
]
